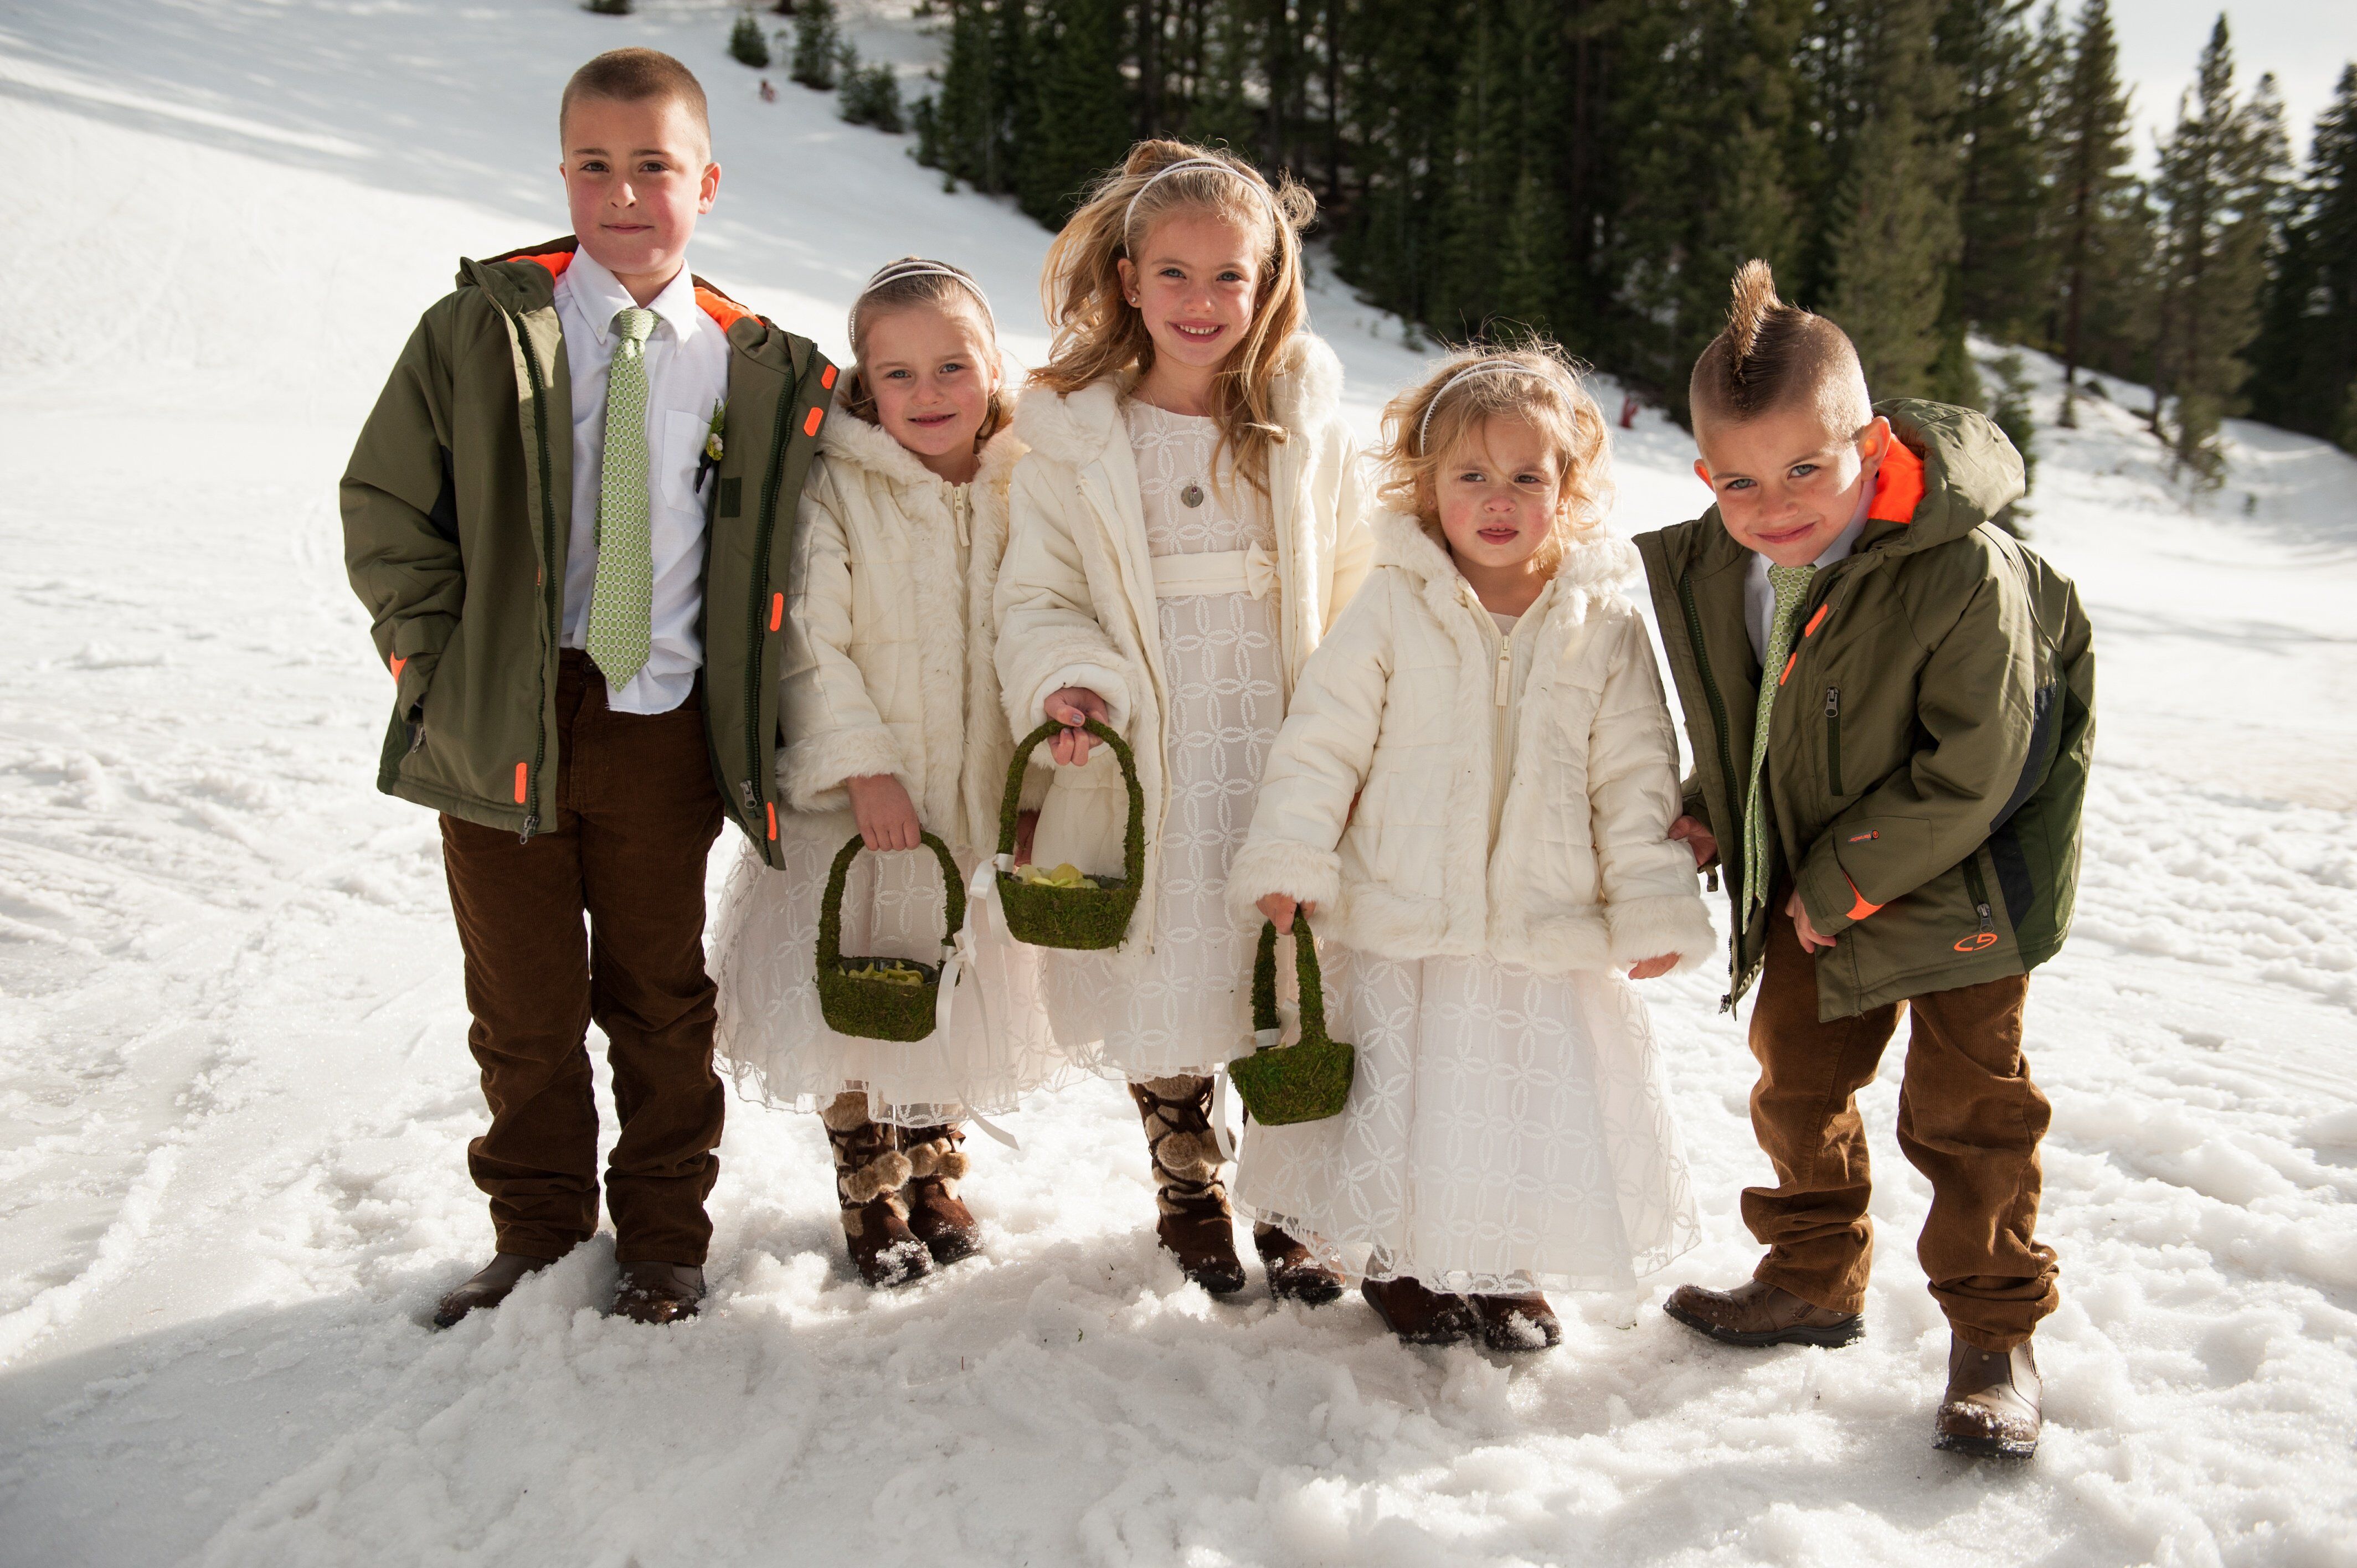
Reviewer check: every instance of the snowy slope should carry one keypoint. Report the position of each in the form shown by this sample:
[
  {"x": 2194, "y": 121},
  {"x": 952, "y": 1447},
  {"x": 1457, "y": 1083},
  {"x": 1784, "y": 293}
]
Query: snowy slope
[{"x": 234, "y": 1092}]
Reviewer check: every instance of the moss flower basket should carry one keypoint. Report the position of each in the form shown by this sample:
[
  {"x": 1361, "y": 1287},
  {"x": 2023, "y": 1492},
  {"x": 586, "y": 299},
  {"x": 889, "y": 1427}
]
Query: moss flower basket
[
  {"x": 1073, "y": 910},
  {"x": 881, "y": 998},
  {"x": 1307, "y": 1081}
]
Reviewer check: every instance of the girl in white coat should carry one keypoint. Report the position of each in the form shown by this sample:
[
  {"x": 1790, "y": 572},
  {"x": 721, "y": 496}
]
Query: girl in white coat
[
  {"x": 894, "y": 727},
  {"x": 1185, "y": 525},
  {"x": 1472, "y": 797}
]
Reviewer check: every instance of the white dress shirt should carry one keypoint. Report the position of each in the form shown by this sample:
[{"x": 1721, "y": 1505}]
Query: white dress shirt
[
  {"x": 1760, "y": 599},
  {"x": 687, "y": 376}
]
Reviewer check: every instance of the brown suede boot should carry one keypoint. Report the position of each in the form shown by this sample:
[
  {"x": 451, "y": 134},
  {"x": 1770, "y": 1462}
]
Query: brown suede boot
[
  {"x": 936, "y": 1216},
  {"x": 488, "y": 1286},
  {"x": 1421, "y": 1317},
  {"x": 868, "y": 1176},
  {"x": 1294, "y": 1273},
  {"x": 1197, "y": 1227},
  {"x": 1515, "y": 1323},
  {"x": 1991, "y": 1408},
  {"x": 1757, "y": 1312},
  {"x": 659, "y": 1292}
]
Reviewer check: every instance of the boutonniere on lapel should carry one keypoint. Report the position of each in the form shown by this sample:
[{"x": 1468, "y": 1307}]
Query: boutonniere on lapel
[{"x": 713, "y": 444}]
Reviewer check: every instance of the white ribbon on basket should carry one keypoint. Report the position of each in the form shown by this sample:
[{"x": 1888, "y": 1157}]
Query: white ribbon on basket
[{"x": 958, "y": 961}]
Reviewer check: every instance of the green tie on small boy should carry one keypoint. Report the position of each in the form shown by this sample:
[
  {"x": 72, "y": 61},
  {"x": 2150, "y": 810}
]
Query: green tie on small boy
[
  {"x": 1790, "y": 586},
  {"x": 622, "y": 605}
]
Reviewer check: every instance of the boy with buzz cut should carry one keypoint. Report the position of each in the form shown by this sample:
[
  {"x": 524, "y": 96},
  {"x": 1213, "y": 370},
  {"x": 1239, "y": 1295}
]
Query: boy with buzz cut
[
  {"x": 564, "y": 516},
  {"x": 1891, "y": 709}
]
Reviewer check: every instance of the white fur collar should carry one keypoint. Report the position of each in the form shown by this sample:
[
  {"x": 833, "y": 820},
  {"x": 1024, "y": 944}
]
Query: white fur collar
[
  {"x": 1595, "y": 562},
  {"x": 1078, "y": 428},
  {"x": 846, "y": 438}
]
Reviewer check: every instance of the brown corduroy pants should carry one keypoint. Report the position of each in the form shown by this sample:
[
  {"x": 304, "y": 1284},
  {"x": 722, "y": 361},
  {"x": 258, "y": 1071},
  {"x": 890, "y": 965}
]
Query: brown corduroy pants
[
  {"x": 1969, "y": 1119},
  {"x": 636, "y": 815}
]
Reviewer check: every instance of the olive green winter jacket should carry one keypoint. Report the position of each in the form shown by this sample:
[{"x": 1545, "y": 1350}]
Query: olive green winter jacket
[
  {"x": 457, "y": 517},
  {"x": 1928, "y": 749}
]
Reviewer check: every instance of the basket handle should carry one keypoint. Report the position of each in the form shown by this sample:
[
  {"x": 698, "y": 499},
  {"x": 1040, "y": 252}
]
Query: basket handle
[
  {"x": 1305, "y": 970},
  {"x": 1133, "y": 842},
  {"x": 830, "y": 908}
]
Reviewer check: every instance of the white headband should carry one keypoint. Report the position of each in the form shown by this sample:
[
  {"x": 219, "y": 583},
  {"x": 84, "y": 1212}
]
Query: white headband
[
  {"x": 916, "y": 267},
  {"x": 1230, "y": 169},
  {"x": 1485, "y": 368}
]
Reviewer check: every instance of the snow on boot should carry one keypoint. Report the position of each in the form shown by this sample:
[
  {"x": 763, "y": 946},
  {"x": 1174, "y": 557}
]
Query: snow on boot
[
  {"x": 936, "y": 1217},
  {"x": 659, "y": 1292},
  {"x": 1294, "y": 1274},
  {"x": 1197, "y": 1227},
  {"x": 1991, "y": 1408},
  {"x": 868, "y": 1176},
  {"x": 1421, "y": 1317},
  {"x": 488, "y": 1286},
  {"x": 1515, "y": 1323}
]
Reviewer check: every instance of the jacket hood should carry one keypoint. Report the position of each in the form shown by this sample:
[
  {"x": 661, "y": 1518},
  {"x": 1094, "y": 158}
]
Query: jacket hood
[
  {"x": 847, "y": 438},
  {"x": 525, "y": 279},
  {"x": 1968, "y": 473},
  {"x": 1077, "y": 428},
  {"x": 1596, "y": 563}
]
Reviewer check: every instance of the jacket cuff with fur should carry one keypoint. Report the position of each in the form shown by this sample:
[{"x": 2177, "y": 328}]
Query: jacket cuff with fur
[
  {"x": 1094, "y": 674},
  {"x": 811, "y": 771},
  {"x": 1266, "y": 865},
  {"x": 1662, "y": 923}
]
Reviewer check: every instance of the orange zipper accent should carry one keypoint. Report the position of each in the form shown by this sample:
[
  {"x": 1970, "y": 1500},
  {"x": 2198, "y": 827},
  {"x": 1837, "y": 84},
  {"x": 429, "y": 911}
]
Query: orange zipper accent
[
  {"x": 777, "y": 611},
  {"x": 522, "y": 769}
]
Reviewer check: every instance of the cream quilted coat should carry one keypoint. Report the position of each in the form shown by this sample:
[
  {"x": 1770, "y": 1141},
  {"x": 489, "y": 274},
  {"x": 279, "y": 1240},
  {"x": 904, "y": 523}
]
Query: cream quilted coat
[
  {"x": 1402, "y": 709},
  {"x": 1076, "y": 604},
  {"x": 888, "y": 633}
]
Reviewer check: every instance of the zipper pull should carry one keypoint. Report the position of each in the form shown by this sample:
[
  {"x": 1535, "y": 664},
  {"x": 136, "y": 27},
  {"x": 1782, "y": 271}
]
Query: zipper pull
[
  {"x": 1988, "y": 922},
  {"x": 745, "y": 789},
  {"x": 531, "y": 826},
  {"x": 1710, "y": 878},
  {"x": 1505, "y": 670},
  {"x": 1833, "y": 702}
]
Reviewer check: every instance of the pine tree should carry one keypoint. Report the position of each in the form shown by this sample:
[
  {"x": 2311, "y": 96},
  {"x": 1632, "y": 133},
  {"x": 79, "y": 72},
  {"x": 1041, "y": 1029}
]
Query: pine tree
[
  {"x": 2000, "y": 73},
  {"x": 1896, "y": 240},
  {"x": 2304, "y": 362},
  {"x": 2088, "y": 148},
  {"x": 2219, "y": 176},
  {"x": 818, "y": 45},
  {"x": 1082, "y": 113},
  {"x": 747, "y": 45}
]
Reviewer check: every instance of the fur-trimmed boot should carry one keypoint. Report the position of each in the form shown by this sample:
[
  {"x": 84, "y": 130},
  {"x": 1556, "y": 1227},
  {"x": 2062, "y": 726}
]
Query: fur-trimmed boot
[
  {"x": 1197, "y": 1226},
  {"x": 936, "y": 1215},
  {"x": 869, "y": 1173}
]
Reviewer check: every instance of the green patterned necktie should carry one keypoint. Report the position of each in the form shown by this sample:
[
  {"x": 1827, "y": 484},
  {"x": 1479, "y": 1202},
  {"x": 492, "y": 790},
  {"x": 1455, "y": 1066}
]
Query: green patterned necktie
[
  {"x": 622, "y": 605},
  {"x": 1790, "y": 586}
]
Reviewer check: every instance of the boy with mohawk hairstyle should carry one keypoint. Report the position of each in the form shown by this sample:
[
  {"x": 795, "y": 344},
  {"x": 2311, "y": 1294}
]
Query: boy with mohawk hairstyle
[
  {"x": 564, "y": 516},
  {"x": 1891, "y": 710}
]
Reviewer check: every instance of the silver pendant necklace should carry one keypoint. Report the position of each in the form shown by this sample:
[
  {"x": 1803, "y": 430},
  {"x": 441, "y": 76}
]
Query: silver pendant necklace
[{"x": 1193, "y": 496}]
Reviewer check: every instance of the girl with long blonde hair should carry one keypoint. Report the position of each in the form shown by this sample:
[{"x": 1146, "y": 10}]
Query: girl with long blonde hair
[{"x": 1185, "y": 525}]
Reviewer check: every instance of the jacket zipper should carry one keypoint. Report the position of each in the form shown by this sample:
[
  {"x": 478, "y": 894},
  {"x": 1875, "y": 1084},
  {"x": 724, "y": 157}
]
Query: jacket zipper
[
  {"x": 1726, "y": 769},
  {"x": 1833, "y": 739},
  {"x": 753, "y": 634},
  {"x": 550, "y": 575}
]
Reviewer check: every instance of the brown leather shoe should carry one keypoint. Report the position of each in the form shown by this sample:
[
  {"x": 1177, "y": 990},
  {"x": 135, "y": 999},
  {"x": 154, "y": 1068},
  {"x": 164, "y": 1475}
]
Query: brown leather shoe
[
  {"x": 1991, "y": 1408},
  {"x": 937, "y": 1216},
  {"x": 1294, "y": 1273},
  {"x": 1197, "y": 1227},
  {"x": 659, "y": 1292},
  {"x": 1420, "y": 1316},
  {"x": 1757, "y": 1312},
  {"x": 1515, "y": 1323},
  {"x": 488, "y": 1286}
]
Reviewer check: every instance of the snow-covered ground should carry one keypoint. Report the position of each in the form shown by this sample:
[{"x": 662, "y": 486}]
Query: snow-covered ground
[{"x": 234, "y": 1090}]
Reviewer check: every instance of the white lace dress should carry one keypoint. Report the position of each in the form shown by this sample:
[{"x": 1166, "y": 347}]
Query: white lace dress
[
  {"x": 1506, "y": 1132},
  {"x": 1184, "y": 1008}
]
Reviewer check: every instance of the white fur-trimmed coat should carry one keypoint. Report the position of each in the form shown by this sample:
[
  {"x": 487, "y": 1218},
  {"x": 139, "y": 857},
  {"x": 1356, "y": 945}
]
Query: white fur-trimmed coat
[
  {"x": 890, "y": 630},
  {"x": 1076, "y": 603},
  {"x": 1400, "y": 712}
]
